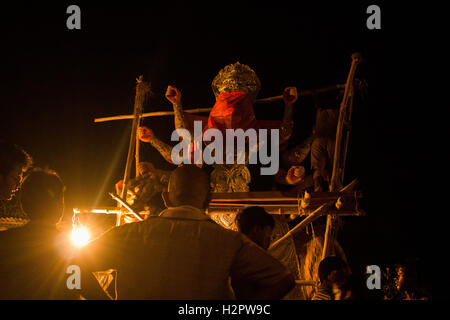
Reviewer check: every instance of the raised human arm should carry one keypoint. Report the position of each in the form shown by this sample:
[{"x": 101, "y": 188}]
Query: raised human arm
[
  {"x": 174, "y": 96},
  {"x": 145, "y": 134}
]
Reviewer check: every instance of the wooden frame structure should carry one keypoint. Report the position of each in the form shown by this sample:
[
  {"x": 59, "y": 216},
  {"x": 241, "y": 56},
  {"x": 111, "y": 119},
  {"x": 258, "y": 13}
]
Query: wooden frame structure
[{"x": 339, "y": 201}]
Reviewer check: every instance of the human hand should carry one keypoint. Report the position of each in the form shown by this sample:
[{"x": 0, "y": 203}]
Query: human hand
[
  {"x": 295, "y": 174},
  {"x": 290, "y": 95},
  {"x": 119, "y": 187},
  {"x": 145, "y": 134},
  {"x": 173, "y": 95},
  {"x": 145, "y": 167}
]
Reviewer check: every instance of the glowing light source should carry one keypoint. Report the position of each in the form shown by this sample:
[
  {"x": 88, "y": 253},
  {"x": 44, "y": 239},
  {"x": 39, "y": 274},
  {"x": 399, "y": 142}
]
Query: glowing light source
[{"x": 80, "y": 236}]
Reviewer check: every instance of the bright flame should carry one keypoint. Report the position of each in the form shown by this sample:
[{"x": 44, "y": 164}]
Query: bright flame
[{"x": 80, "y": 236}]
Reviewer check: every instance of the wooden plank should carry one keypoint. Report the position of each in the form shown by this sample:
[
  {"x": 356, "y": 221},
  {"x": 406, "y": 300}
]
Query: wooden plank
[
  {"x": 253, "y": 196},
  {"x": 306, "y": 283},
  {"x": 280, "y": 196}
]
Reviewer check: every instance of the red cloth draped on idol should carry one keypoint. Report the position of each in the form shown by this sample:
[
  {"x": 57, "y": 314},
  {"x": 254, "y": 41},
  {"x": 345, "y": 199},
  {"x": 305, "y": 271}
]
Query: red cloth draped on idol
[{"x": 235, "y": 87}]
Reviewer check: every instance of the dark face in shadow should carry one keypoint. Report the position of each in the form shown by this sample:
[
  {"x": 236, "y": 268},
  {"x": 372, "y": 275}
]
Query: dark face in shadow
[
  {"x": 11, "y": 182},
  {"x": 261, "y": 235}
]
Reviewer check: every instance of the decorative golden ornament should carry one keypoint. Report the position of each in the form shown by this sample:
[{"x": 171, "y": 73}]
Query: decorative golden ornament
[
  {"x": 236, "y": 77},
  {"x": 230, "y": 178}
]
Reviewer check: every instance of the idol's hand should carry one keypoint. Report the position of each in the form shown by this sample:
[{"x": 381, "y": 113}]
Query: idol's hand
[
  {"x": 173, "y": 95},
  {"x": 145, "y": 134},
  {"x": 295, "y": 174},
  {"x": 290, "y": 95}
]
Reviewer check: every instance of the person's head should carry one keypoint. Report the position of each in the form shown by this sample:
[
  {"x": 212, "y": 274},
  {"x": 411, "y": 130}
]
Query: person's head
[
  {"x": 410, "y": 278},
  {"x": 400, "y": 280},
  {"x": 256, "y": 224},
  {"x": 42, "y": 196},
  {"x": 188, "y": 185},
  {"x": 333, "y": 270},
  {"x": 13, "y": 162}
]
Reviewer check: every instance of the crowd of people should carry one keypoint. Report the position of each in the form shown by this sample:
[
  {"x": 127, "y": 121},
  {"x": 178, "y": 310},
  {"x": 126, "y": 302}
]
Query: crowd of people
[
  {"x": 178, "y": 251},
  {"x": 169, "y": 256}
]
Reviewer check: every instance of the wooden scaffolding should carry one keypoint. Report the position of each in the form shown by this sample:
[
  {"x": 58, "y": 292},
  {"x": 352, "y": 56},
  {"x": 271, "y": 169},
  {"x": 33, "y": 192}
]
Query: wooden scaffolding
[{"x": 339, "y": 201}]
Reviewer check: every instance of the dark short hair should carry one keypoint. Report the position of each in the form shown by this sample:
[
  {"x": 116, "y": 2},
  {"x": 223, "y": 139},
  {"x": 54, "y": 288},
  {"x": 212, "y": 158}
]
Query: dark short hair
[
  {"x": 253, "y": 216},
  {"x": 40, "y": 188},
  {"x": 328, "y": 265},
  {"x": 189, "y": 185},
  {"x": 11, "y": 156}
]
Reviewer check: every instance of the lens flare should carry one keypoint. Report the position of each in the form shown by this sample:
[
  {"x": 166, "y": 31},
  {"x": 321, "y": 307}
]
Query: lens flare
[{"x": 80, "y": 236}]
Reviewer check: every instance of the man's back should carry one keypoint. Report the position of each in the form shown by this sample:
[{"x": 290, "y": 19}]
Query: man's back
[{"x": 181, "y": 254}]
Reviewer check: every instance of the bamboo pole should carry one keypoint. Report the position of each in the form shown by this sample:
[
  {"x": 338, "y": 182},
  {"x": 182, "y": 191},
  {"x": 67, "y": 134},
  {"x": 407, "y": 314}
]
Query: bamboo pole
[
  {"x": 347, "y": 133},
  {"x": 270, "y": 197},
  {"x": 312, "y": 217},
  {"x": 136, "y": 154},
  {"x": 253, "y": 196},
  {"x": 306, "y": 282},
  {"x": 200, "y": 110},
  {"x": 338, "y": 173},
  {"x": 302, "y": 93},
  {"x": 126, "y": 206},
  {"x": 227, "y": 204},
  {"x": 142, "y": 89},
  {"x": 151, "y": 114},
  {"x": 350, "y": 187}
]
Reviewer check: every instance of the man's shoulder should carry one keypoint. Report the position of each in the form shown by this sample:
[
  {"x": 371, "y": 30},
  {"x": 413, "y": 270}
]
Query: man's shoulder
[
  {"x": 122, "y": 230},
  {"x": 206, "y": 222}
]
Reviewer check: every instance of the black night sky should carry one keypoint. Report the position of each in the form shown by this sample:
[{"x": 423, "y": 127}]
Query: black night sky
[{"x": 55, "y": 81}]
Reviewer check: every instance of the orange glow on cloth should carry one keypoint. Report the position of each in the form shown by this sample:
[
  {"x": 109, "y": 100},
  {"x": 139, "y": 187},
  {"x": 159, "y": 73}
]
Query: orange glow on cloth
[{"x": 232, "y": 110}]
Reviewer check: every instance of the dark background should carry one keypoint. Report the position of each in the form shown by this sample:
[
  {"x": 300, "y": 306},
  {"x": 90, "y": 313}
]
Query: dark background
[{"x": 55, "y": 81}]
